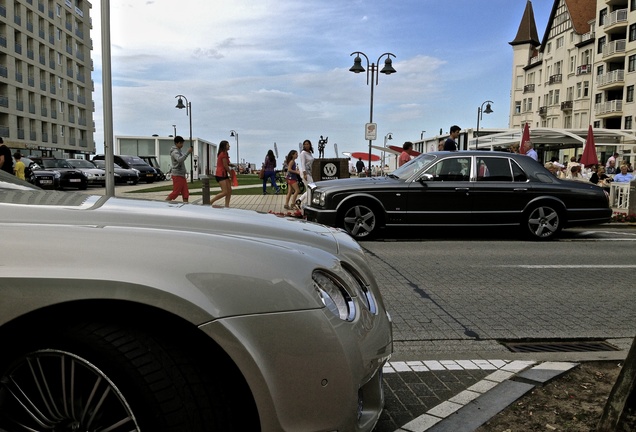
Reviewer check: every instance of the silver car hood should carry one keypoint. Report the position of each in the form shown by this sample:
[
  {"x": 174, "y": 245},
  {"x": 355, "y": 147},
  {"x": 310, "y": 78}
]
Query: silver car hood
[{"x": 39, "y": 207}]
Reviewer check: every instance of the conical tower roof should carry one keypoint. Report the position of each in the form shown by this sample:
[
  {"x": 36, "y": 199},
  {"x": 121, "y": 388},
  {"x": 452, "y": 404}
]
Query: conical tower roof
[{"x": 527, "y": 32}]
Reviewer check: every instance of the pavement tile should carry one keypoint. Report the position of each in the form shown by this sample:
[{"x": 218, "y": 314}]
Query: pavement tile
[
  {"x": 499, "y": 376},
  {"x": 444, "y": 409},
  {"x": 420, "y": 424},
  {"x": 464, "y": 397},
  {"x": 483, "y": 386}
]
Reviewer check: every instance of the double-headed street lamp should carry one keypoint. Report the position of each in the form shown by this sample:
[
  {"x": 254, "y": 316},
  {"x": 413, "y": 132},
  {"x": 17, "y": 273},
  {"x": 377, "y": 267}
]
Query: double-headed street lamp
[
  {"x": 480, "y": 112},
  {"x": 373, "y": 67},
  {"x": 188, "y": 107},
  {"x": 234, "y": 134}
]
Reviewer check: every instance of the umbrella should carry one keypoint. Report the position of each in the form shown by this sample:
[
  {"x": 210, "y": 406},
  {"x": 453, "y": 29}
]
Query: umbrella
[
  {"x": 589, "y": 152},
  {"x": 525, "y": 138},
  {"x": 365, "y": 156},
  {"x": 400, "y": 150}
]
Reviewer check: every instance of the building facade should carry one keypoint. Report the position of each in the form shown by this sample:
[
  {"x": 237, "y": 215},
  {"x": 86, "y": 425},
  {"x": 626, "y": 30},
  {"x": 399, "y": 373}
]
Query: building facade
[{"x": 46, "y": 105}]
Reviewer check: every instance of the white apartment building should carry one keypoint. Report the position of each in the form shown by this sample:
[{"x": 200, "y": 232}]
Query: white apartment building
[
  {"x": 581, "y": 72},
  {"x": 46, "y": 105}
]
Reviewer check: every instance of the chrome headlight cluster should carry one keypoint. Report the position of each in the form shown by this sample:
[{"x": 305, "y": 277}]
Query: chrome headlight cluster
[
  {"x": 338, "y": 294},
  {"x": 318, "y": 198}
]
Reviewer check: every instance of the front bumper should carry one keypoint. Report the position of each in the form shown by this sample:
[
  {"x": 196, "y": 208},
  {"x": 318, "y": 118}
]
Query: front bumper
[
  {"x": 321, "y": 216},
  {"x": 307, "y": 369}
]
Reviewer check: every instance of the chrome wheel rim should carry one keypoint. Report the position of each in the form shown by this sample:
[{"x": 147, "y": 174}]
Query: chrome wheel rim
[
  {"x": 543, "y": 222},
  {"x": 59, "y": 391},
  {"x": 359, "y": 221}
]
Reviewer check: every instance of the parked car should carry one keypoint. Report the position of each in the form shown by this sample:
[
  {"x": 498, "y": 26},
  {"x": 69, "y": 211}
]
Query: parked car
[
  {"x": 69, "y": 176},
  {"x": 285, "y": 329},
  {"x": 470, "y": 188},
  {"x": 153, "y": 162},
  {"x": 146, "y": 173},
  {"x": 122, "y": 175},
  {"x": 40, "y": 177},
  {"x": 94, "y": 176}
]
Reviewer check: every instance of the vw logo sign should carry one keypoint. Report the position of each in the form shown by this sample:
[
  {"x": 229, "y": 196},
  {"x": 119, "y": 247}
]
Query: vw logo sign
[{"x": 330, "y": 170}]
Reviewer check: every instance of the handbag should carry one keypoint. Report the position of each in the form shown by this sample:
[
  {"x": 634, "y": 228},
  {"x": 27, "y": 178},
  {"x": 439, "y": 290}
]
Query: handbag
[
  {"x": 261, "y": 173},
  {"x": 234, "y": 178}
]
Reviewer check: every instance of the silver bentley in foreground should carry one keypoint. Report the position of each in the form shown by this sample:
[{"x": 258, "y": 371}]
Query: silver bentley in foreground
[{"x": 130, "y": 315}]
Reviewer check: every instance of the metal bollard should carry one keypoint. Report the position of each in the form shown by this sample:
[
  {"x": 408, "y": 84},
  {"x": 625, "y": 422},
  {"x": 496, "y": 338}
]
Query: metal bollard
[{"x": 205, "y": 189}]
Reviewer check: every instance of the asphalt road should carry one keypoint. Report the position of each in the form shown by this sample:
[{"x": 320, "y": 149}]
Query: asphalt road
[{"x": 458, "y": 294}]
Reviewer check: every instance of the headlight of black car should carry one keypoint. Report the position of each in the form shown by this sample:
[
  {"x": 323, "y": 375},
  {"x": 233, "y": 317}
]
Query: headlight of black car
[{"x": 318, "y": 198}]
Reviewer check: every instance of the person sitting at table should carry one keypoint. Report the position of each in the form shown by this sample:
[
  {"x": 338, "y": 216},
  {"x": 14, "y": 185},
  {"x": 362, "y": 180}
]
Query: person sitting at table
[
  {"x": 623, "y": 176},
  {"x": 599, "y": 177}
]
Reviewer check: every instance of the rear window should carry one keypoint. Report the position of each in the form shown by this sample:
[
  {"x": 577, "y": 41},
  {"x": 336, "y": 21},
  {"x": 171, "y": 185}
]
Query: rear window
[{"x": 499, "y": 169}]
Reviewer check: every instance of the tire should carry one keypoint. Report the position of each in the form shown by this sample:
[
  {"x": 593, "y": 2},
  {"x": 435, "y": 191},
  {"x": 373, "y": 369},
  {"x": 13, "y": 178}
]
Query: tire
[
  {"x": 360, "y": 221},
  {"x": 144, "y": 380},
  {"x": 543, "y": 222}
]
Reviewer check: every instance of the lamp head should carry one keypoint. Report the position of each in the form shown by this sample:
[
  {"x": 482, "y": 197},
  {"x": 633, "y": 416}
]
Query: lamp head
[
  {"x": 388, "y": 67},
  {"x": 488, "y": 110},
  {"x": 390, "y": 136},
  {"x": 232, "y": 133},
  {"x": 357, "y": 65},
  {"x": 180, "y": 104}
]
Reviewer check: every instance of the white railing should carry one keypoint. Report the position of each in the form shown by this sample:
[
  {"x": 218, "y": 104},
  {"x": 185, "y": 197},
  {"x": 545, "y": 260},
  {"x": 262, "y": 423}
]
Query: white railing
[
  {"x": 619, "y": 196},
  {"x": 619, "y": 15},
  {"x": 617, "y": 46},
  {"x": 609, "y": 107},
  {"x": 611, "y": 77}
]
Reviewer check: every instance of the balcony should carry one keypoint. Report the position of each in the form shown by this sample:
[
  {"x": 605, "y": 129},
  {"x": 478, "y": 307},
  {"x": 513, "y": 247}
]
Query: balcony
[
  {"x": 611, "y": 79},
  {"x": 616, "y": 21},
  {"x": 566, "y": 105},
  {"x": 586, "y": 39},
  {"x": 555, "y": 79},
  {"x": 528, "y": 88},
  {"x": 584, "y": 69},
  {"x": 543, "y": 111},
  {"x": 614, "y": 49},
  {"x": 608, "y": 108}
]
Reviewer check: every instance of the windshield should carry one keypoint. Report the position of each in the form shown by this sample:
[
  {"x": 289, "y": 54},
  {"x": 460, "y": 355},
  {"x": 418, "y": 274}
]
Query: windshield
[
  {"x": 102, "y": 164},
  {"x": 414, "y": 166},
  {"x": 81, "y": 163},
  {"x": 55, "y": 163},
  {"x": 134, "y": 160}
]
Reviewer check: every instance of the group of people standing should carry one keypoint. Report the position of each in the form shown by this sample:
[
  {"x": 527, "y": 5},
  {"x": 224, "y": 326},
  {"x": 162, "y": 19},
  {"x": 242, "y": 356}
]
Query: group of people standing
[{"x": 294, "y": 173}]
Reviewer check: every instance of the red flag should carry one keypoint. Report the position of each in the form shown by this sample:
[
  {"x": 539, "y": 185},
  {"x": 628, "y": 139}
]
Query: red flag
[
  {"x": 589, "y": 152},
  {"x": 525, "y": 138}
]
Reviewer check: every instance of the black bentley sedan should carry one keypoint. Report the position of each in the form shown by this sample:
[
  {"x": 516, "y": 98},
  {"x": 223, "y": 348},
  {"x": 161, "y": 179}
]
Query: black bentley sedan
[{"x": 471, "y": 188}]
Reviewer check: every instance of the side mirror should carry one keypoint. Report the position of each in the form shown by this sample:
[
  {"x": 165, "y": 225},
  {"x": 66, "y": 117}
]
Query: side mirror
[{"x": 426, "y": 178}]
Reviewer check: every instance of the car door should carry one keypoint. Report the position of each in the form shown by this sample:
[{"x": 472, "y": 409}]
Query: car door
[
  {"x": 501, "y": 191},
  {"x": 440, "y": 195}
]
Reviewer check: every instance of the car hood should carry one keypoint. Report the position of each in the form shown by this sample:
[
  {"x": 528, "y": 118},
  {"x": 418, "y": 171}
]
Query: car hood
[
  {"x": 41, "y": 207},
  {"x": 356, "y": 183}
]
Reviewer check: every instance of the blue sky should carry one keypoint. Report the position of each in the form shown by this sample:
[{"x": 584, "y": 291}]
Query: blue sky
[{"x": 278, "y": 70}]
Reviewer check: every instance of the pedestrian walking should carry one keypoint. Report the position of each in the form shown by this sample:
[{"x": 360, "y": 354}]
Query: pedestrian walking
[
  {"x": 222, "y": 173},
  {"x": 293, "y": 176},
  {"x": 178, "y": 170},
  {"x": 451, "y": 142},
  {"x": 269, "y": 172}
]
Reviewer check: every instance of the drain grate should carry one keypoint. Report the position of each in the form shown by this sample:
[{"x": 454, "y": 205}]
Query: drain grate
[{"x": 543, "y": 346}]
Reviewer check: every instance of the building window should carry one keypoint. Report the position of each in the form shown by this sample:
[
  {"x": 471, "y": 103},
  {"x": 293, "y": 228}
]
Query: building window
[
  {"x": 602, "y": 16},
  {"x": 517, "y": 107},
  {"x": 629, "y": 96},
  {"x": 557, "y": 94},
  {"x": 578, "y": 90},
  {"x": 559, "y": 42},
  {"x": 586, "y": 89},
  {"x": 628, "y": 122},
  {"x": 599, "y": 70},
  {"x": 598, "y": 98},
  {"x": 631, "y": 63},
  {"x": 529, "y": 104},
  {"x": 632, "y": 5},
  {"x": 601, "y": 44},
  {"x": 572, "y": 64},
  {"x": 632, "y": 32}
]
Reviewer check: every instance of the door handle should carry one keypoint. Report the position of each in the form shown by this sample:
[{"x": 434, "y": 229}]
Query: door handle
[
  {"x": 462, "y": 189},
  {"x": 521, "y": 189}
]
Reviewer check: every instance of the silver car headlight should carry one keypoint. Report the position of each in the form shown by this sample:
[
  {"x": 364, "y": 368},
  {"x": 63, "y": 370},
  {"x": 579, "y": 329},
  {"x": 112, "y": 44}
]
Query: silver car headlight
[
  {"x": 318, "y": 198},
  {"x": 361, "y": 288},
  {"x": 334, "y": 295}
]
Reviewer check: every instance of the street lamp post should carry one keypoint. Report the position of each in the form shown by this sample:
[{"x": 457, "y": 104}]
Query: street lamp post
[
  {"x": 373, "y": 67},
  {"x": 480, "y": 112},
  {"x": 422, "y": 135},
  {"x": 388, "y": 136},
  {"x": 234, "y": 134},
  {"x": 188, "y": 107}
]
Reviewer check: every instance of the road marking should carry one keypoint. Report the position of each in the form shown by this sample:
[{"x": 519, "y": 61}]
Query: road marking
[{"x": 569, "y": 266}]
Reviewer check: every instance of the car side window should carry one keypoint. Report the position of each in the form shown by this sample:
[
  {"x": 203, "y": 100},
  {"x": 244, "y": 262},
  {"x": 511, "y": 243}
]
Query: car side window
[
  {"x": 518, "y": 174},
  {"x": 451, "y": 169},
  {"x": 494, "y": 169}
]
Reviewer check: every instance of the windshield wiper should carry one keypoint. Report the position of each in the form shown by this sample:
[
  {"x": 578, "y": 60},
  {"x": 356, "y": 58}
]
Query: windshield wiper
[{"x": 392, "y": 176}]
